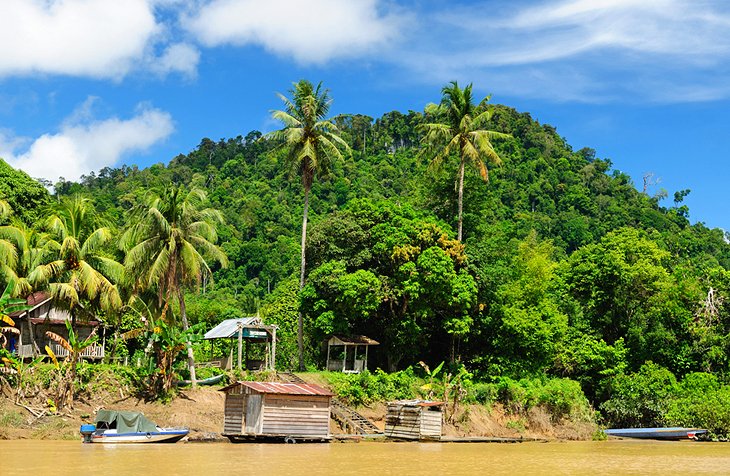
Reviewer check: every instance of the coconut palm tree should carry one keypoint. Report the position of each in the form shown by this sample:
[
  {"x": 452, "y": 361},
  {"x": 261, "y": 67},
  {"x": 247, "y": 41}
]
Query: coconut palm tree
[
  {"x": 170, "y": 246},
  {"x": 80, "y": 276},
  {"x": 460, "y": 130},
  {"x": 5, "y": 209},
  {"x": 313, "y": 143},
  {"x": 20, "y": 253}
]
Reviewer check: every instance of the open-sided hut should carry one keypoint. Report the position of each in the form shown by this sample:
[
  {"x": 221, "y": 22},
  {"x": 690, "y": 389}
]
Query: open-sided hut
[
  {"x": 271, "y": 410},
  {"x": 414, "y": 420},
  {"x": 348, "y": 354},
  {"x": 246, "y": 331}
]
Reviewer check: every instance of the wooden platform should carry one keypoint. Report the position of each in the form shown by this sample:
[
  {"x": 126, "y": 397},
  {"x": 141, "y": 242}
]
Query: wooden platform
[
  {"x": 242, "y": 438},
  {"x": 487, "y": 439}
]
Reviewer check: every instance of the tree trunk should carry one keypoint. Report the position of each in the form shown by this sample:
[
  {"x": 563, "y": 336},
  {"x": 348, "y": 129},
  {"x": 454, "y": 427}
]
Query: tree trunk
[
  {"x": 300, "y": 320},
  {"x": 188, "y": 344},
  {"x": 461, "y": 194}
]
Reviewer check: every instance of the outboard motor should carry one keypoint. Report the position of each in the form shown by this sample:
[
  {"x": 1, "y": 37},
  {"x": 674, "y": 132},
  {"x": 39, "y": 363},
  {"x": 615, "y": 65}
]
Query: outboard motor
[{"x": 87, "y": 431}]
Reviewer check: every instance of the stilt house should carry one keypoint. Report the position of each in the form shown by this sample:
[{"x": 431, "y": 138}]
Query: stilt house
[{"x": 43, "y": 316}]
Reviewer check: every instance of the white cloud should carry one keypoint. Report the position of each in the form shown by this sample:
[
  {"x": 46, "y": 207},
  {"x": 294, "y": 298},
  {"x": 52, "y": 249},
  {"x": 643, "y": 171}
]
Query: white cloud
[
  {"x": 585, "y": 50},
  {"x": 179, "y": 57},
  {"x": 83, "y": 144},
  {"x": 312, "y": 31},
  {"x": 90, "y": 38}
]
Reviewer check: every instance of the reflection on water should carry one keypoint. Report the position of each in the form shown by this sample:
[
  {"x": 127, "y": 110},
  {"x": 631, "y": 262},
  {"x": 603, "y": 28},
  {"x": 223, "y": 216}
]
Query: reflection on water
[{"x": 608, "y": 457}]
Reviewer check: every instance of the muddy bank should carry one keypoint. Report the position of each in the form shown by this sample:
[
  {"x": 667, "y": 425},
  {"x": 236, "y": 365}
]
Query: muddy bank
[{"x": 201, "y": 410}]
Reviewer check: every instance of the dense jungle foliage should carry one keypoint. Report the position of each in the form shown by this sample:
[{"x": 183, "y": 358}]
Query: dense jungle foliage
[{"x": 565, "y": 270}]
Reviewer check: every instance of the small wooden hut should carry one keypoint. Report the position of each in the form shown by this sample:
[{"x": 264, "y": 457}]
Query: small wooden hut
[
  {"x": 414, "y": 420},
  {"x": 272, "y": 410},
  {"x": 343, "y": 356}
]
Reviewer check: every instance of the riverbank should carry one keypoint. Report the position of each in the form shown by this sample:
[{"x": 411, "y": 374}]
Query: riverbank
[{"x": 201, "y": 410}]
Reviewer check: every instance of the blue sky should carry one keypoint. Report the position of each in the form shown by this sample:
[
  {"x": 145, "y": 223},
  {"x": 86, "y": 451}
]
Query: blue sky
[{"x": 86, "y": 84}]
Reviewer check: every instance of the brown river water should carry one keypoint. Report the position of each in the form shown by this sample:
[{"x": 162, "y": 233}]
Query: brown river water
[{"x": 39, "y": 458}]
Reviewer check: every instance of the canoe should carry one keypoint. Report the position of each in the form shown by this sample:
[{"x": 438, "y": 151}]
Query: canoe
[
  {"x": 112, "y": 426},
  {"x": 672, "y": 433},
  {"x": 206, "y": 381}
]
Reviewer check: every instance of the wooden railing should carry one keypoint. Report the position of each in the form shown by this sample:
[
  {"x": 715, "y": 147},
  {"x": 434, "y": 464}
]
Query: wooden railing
[
  {"x": 92, "y": 352},
  {"x": 25, "y": 350}
]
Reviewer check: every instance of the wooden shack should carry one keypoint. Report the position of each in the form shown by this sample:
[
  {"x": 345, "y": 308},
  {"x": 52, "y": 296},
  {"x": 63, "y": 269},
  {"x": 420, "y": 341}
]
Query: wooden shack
[
  {"x": 276, "y": 411},
  {"x": 414, "y": 420},
  {"x": 42, "y": 316}
]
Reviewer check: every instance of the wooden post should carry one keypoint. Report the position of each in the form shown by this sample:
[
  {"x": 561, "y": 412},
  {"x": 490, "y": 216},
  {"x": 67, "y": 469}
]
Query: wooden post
[
  {"x": 344, "y": 359},
  {"x": 273, "y": 348},
  {"x": 240, "y": 344},
  {"x": 329, "y": 346},
  {"x": 365, "y": 365}
]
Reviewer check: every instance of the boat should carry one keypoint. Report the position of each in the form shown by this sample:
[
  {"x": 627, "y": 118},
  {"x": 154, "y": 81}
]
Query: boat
[
  {"x": 206, "y": 381},
  {"x": 112, "y": 426},
  {"x": 672, "y": 433}
]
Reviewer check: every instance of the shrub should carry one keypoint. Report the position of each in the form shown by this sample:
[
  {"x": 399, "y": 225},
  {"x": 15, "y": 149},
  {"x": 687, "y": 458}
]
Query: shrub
[
  {"x": 640, "y": 399},
  {"x": 560, "y": 397},
  {"x": 368, "y": 387}
]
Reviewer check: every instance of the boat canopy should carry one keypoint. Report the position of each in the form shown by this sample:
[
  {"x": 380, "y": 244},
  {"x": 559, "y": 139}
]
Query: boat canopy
[{"x": 125, "y": 422}]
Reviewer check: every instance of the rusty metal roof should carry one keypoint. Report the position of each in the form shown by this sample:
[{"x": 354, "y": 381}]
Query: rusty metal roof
[
  {"x": 33, "y": 300},
  {"x": 356, "y": 339},
  {"x": 283, "y": 388},
  {"x": 416, "y": 403}
]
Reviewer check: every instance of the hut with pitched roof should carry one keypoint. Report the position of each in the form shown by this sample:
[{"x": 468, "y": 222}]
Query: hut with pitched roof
[
  {"x": 276, "y": 411},
  {"x": 348, "y": 354}
]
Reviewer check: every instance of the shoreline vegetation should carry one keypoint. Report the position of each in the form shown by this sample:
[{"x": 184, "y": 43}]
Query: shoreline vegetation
[
  {"x": 201, "y": 409},
  {"x": 530, "y": 286}
]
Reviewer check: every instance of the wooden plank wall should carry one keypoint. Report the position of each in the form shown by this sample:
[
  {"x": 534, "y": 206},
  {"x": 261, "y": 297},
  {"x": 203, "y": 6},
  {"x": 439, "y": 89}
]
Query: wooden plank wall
[
  {"x": 431, "y": 423},
  {"x": 301, "y": 415},
  {"x": 403, "y": 422},
  {"x": 233, "y": 419},
  {"x": 252, "y": 425},
  {"x": 412, "y": 423}
]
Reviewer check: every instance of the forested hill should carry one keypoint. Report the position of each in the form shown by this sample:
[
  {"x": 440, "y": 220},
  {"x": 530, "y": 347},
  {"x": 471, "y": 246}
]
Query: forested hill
[{"x": 566, "y": 268}]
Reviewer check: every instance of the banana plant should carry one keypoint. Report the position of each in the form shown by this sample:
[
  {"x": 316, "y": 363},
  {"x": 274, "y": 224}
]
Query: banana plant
[
  {"x": 17, "y": 370},
  {"x": 429, "y": 388},
  {"x": 165, "y": 340},
  {"x": 8, "y": 305},
  {"x": 75, "y": 347}
]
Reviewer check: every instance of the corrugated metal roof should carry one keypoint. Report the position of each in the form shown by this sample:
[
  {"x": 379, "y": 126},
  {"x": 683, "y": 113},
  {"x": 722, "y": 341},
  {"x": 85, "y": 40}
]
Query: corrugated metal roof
[
  {"x": 229, "y": 327},
  {"x": 356, "y": 339},
  {"x": 284, "y": 388},
  {"x": 416, "y": 403},
  {"x": 33, "y": 300}
]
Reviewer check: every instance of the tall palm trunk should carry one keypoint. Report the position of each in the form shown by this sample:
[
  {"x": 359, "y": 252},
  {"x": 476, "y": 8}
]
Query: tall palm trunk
[
  {"x": 188, "y": 344},
  {"x": 300, "y": 320},
  {"x": 461, "y": 195}
]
